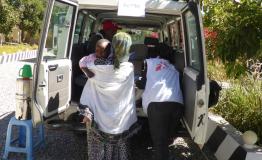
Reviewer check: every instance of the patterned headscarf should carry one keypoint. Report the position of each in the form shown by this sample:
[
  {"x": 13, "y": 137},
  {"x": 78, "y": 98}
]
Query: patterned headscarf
[{"x": 121, "y": 44}]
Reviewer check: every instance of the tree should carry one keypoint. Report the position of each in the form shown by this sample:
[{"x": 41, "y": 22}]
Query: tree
[
  {"x": 239, "y": 30},
  {"x": 9, "y": 17},
  {"x": 30, "y": 14}
]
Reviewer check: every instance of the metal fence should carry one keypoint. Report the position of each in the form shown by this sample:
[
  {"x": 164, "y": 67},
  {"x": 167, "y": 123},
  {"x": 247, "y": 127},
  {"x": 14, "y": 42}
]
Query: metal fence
[
  {"x": 8, "y": 58},
  {"x": 254, "y": 68}
]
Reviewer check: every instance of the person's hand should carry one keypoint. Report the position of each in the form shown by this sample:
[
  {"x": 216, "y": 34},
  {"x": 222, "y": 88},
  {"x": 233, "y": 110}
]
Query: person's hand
[
  {"x": 88, "y": 73},
  {"x": 86, "y": 120},
  {"x": 91, "y": 74}
]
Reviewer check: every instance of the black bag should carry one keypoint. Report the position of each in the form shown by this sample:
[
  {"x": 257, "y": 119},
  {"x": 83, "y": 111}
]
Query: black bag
[{"x": 215, "y": 88}]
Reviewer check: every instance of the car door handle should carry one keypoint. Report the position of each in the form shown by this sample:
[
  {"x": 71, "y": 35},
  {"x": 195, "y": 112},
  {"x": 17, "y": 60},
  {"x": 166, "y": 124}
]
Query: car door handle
[
  {"x": 43, "y": 84},
  {"x": 52, "y": 67}
]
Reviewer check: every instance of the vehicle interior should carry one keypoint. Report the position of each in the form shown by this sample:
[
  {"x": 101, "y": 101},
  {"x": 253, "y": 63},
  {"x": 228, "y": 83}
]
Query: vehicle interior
[{"x": 144, "y": 31}]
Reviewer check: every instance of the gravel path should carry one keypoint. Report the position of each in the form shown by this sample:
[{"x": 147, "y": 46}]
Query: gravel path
[{"x": 66, "y": 145}]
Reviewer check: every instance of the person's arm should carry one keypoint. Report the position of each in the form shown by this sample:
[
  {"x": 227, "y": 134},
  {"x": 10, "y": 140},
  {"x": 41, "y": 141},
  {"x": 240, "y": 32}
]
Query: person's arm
[
  {"x": 87, "y": 72},
  {"x": 87, "y": 113},
  {"x": 83, "y": 65},
  {"x": 144, "y": 69},
  {"x": 141, "y": 83}
]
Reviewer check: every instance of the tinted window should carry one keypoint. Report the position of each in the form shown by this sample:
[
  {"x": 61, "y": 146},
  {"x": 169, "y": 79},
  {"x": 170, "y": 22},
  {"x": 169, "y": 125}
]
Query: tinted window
[
  {"x": 138, "y": 35},
  {"x": 87, "y": 29},
  {"x": 58, "y": 32},
  {"x": 193, "y": 48},
  {"x": 78, "y": 27}
]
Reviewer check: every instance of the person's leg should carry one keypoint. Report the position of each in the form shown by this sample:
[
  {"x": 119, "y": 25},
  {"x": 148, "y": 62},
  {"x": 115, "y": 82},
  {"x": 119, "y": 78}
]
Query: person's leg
[
  {"x": 124, "y": 150},
  {"x": 109, "y": 151},
  {"x": 95, "y": 147},
  {"x": 176, "y": 112},
  {"x": 117, "y": 150},
  {"x": 158, "y": 124}
]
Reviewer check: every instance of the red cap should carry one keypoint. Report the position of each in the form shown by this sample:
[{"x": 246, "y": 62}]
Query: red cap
[
  {"x": 154, "y": 35},
  {"x": 109, "y": 25}
]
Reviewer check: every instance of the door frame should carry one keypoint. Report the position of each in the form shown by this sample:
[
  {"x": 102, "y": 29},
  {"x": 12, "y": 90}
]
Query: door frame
[
  {"x": 42, "y": 43},
  {"x": 197, "y": 75},
  {"x": 193, "y": 7}
]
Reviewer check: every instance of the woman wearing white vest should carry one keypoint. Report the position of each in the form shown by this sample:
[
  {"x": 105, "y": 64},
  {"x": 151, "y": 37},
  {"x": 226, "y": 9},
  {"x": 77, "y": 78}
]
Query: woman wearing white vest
[{"x": 162, "y": 98}]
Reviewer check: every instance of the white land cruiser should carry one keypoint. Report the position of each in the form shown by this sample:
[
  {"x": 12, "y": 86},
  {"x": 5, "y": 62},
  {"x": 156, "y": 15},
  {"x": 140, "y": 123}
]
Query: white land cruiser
[{"x": 66, "y": 29}]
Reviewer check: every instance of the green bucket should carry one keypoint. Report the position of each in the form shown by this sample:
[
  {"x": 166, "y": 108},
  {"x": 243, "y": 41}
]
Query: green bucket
[{"x": 25, "y": 71}]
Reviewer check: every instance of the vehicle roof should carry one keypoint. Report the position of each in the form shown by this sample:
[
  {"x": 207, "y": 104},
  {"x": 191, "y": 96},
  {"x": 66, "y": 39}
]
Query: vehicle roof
[
  {"x": 152, "y": 6},
  {"x": 149, "y": 21}
]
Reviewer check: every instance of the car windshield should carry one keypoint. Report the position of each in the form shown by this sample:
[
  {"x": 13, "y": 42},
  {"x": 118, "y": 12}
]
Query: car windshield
[{"x": 138, "y": 35}]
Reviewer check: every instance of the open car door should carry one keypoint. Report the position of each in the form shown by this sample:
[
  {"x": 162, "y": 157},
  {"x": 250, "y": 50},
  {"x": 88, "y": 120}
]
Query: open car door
[
  {"x": 53, "y": 69},
  {"x": 195, "y": 82}
]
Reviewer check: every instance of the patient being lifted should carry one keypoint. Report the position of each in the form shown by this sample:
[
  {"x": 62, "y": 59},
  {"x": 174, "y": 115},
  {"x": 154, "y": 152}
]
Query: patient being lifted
[{"x": 102, "y": 56}]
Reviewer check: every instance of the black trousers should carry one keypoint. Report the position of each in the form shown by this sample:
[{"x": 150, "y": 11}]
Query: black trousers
[{"x": 163, "y": 120}]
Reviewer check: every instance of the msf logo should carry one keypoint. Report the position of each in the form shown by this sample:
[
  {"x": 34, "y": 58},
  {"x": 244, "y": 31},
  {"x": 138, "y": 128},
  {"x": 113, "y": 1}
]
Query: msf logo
[{"x": 160, "y": 66}]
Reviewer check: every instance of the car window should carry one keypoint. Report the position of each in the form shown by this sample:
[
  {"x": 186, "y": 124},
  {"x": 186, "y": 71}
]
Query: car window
[
  {"x": 175, "y": 30},
  {"x": 58, "y": 31},
  {"x": 87, "y": 29},
  {"x": 138, "y": 35},
  {"x": 78, "y": 27},
  {"x": 193, "y": 44}
]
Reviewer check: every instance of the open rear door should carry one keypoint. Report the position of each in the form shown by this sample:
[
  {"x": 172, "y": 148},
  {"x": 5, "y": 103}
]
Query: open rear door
[
  {"x": 195, "y": 82},
  {"x": 52, "y": 73}
]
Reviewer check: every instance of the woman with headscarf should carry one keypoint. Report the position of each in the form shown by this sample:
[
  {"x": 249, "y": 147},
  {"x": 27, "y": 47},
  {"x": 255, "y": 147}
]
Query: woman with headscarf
[{"x": 109, "y": 102}]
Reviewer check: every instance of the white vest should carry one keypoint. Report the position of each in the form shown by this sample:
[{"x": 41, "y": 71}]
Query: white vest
[{"x": 162, "y": 83}]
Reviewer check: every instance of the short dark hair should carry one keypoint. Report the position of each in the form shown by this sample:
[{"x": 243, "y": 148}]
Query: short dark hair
[
  {"x": 108, "y": 46},
  {"x": 164, "y": 51},
  {"x": 108, "y": 49},
  {"x": 152, "y": 52},
  {"x": 94, "y": 38}
]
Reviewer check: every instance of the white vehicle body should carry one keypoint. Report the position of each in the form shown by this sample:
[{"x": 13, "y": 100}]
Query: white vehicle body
[{"x": 177, "y": 23}]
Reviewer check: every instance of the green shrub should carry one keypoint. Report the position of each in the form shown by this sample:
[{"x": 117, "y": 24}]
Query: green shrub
[
  {"x": 241, "y": 106},
  {"x": 238, "y": 26}
]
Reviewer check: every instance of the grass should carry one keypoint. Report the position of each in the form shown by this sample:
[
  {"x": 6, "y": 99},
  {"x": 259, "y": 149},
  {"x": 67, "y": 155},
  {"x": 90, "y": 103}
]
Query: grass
[
  {"x": 241, "y": 106},
  {"x": 216, "y": 71},
  {"x": 7, "y": 49}
]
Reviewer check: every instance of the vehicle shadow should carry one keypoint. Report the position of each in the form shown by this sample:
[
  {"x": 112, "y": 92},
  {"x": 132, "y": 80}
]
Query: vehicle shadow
[
  {"x": 59, "y": 144},
  {"x": 4, "y": 119},
  {"x": 66, "y": 145},
  {"x": 182, "y": 147},
  {"x": 141, "y": 143}
]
